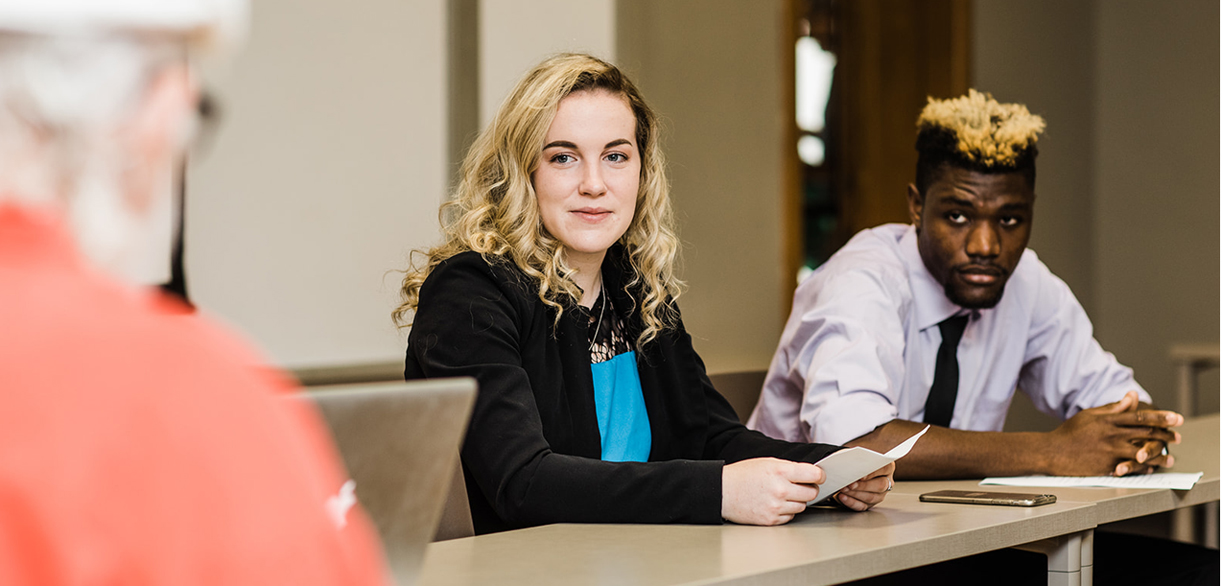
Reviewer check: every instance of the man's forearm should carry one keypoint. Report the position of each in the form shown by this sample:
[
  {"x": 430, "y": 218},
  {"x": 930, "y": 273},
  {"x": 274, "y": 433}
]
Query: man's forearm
[
  {"x": 944, "y": 453},
  {"x": 1118, "y": 438}
]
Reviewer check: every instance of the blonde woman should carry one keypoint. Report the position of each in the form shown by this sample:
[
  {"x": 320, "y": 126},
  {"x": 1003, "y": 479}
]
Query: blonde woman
[{"x": 555, "y": 289}]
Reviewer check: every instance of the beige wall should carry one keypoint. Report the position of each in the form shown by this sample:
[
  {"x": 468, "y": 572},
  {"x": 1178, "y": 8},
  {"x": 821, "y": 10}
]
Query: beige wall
[
  {"x": 1156, "y": 174},
  {"x": 1127, "y": 191},
  {"x": 328, "y": 168},
  {"x": 713, "y": 70},
  {"x": 517, "y": 34}
]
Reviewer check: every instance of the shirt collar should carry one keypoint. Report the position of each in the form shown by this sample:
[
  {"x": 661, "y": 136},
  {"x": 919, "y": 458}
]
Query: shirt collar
[
  {"x": 928, "y": 296},
  {"x": 36, "y": 237},
  {"x": 32, "y": 234}
]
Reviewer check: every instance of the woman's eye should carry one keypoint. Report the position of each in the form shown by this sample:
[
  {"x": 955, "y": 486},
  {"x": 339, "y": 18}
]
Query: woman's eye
[
  {"x": 563, "y": 158},
  {"x": 617, "y": 157}
]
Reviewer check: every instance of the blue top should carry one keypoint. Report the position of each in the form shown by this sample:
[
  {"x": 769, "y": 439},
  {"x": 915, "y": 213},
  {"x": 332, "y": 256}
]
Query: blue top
[{"x": 623, "y": 423}]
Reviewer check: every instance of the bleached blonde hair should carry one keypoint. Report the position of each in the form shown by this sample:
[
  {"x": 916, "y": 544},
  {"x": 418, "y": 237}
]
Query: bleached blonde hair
[
  {"x": 987, "y": 132},
  {"x": 494, "y": 209},
  {"x": 976, "y": 133}
]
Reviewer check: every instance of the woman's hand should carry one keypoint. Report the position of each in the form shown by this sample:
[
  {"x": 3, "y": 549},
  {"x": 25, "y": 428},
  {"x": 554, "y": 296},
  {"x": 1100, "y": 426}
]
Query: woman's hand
[
  {"x": 868, "y": 491},
  {"x": 768, "y": 491}
]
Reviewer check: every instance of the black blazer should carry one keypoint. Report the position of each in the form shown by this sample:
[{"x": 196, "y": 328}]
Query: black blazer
[{"x": 532, "y": 451}]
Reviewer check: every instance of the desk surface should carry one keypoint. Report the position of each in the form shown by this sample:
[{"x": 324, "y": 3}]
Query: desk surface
[
  {"x": 1199, "y": 454},
  {"x": 822, "y": 546}
]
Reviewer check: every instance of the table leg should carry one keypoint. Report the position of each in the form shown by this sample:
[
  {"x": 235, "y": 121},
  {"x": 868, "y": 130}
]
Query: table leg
[
  {"x": 1070, "y": 558},
  {"x": 1186, "y": 521},
  {"x": 1183, "y": 525},
  {"x": 1211, "y": 524},
  {"x": 1186, "y": 390},
  {"x": 1183, "y": 521},
  {"x": 1088, "y": 557}
]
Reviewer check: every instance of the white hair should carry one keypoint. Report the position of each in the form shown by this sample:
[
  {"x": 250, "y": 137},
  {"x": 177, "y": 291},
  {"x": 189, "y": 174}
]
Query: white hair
[{"x": 63, "y": 102}]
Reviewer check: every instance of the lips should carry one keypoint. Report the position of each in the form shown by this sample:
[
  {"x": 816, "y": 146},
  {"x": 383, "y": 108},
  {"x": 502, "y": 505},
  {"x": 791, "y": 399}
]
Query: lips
[
  {"x": 981, "y": 275},
  {"x": 591, "y": 214}
]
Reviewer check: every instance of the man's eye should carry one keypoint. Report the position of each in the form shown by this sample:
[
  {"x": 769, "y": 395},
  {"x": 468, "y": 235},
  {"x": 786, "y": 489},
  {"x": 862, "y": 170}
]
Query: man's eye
[
  {"x": 956, "y": 217},
  {"x": 1011, "y": 221}
]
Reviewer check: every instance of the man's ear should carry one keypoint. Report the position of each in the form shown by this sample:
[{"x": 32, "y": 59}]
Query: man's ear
[
  {"x": 916, "y": 203},
  {"x": 158, "y": 130}
]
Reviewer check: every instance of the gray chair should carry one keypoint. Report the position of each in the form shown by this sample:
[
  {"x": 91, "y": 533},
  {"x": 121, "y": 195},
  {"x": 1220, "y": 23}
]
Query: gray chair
[{"x": 742, "y": 389}]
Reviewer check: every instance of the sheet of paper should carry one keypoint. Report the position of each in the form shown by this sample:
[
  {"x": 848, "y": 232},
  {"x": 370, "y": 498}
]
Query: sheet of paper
[
  {"x": 848, "y": 466},
  {"x": 1172, "y": 480}
]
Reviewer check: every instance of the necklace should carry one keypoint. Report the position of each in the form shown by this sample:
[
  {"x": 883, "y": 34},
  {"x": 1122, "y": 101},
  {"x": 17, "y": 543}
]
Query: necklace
[{"x": 601, "y": 308}]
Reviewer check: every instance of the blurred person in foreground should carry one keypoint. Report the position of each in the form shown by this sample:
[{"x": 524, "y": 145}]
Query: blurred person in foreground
[
  {"x": 139, "y": 443},
  {"x": 555, "y": 289}
]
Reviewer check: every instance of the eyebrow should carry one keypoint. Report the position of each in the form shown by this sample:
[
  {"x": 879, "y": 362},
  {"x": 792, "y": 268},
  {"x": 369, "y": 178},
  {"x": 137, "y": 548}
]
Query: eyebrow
[
  {"x": 967, "y": 203},
  {"x": 950, "y": 199},
  {"x": 568, "y": 145}
]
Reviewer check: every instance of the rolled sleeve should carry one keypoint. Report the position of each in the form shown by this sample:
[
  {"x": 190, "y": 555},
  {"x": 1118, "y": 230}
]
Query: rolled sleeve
[
  {"x": 849, "y": 417},
  {"x": 851, "y": 361}
]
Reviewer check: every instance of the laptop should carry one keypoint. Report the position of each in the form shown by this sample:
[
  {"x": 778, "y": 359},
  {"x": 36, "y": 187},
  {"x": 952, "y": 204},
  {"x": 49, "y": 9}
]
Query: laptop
[{"x": 400, "y": 443}]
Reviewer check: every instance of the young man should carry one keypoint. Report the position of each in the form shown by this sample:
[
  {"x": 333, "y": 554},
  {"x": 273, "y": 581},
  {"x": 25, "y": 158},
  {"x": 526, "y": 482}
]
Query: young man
[
  {"x": 139, "y": 443},
  {"x": 939, "y": 321}
]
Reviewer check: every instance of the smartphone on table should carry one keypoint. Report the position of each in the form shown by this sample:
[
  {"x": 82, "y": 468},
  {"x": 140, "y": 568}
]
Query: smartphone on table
[{"x": 981, "y": 497}]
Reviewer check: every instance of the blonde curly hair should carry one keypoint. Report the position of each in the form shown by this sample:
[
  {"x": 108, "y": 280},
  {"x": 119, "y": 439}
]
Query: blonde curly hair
[{"x": 494, "y": 210}]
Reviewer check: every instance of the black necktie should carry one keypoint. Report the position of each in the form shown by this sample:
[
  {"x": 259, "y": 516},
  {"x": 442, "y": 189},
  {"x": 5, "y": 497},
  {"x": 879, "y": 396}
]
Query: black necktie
[{"x": 940, "y": 405}]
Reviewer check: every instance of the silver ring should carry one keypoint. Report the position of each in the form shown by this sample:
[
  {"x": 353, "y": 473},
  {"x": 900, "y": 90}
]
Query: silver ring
[
  {"x": 1165, "y": 452},
  {"x": 891, "y": 485}
]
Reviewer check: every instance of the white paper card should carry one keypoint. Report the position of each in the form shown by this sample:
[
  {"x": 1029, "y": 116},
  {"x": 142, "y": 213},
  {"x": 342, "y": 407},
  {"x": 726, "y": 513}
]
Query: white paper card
[
  {"x": 1172, "y": 480},
  {"x": 848, "y": 466}
]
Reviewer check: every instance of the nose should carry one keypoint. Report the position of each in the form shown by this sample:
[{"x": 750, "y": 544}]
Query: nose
[
  {"x": 983, "y": 241},
  {"x": 592, "y": 183}
]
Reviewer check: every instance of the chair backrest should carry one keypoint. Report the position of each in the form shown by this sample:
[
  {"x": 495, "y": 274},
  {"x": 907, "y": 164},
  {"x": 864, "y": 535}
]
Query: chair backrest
[
  {"x": 741, "y": 389},
  {"x": 456, "y": 516}
]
